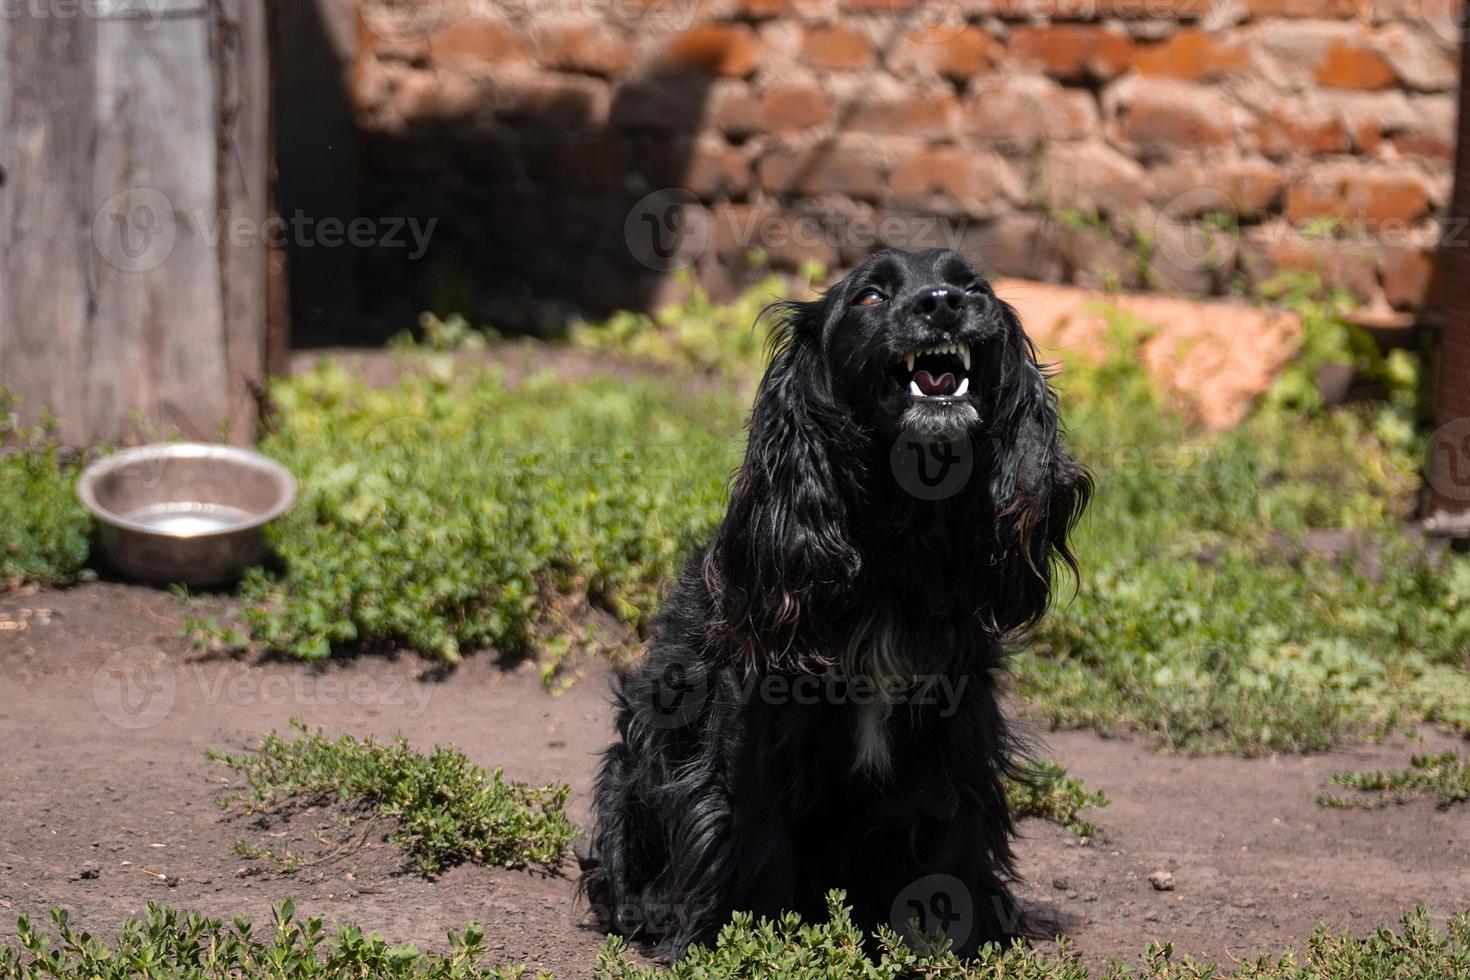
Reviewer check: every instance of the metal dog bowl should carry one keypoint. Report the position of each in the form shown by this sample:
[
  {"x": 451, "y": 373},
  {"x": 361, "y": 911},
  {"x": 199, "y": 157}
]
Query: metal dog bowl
[{"x": 185, "y": 512}]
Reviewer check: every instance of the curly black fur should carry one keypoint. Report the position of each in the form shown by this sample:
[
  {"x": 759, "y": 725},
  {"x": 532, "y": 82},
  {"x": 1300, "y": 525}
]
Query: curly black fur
[{"x": 818, "y": 706}]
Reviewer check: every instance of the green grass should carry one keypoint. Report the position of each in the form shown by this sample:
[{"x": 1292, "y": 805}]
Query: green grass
[
  {"x": 174, "y": 944},
  {"x": 449, "y": 810},
  {"x": 1445, "y": 776},
  {"x": 1249, "y": 591},
  {"x": 790, "y": 949},
  {"x": 171, "y": 943},
  {"x": 1205, "y": 617},
  {"x": 447, "y": 512},
  {"x": 43, "y": 530}
]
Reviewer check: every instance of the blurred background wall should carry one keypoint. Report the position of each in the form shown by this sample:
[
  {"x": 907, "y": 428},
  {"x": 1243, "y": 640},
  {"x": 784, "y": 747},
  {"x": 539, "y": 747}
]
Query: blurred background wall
[{"x": 1186, "y": 145}]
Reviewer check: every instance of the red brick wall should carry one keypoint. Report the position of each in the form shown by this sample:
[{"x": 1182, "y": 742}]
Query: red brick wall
[{"x": 1196, "y": 145}]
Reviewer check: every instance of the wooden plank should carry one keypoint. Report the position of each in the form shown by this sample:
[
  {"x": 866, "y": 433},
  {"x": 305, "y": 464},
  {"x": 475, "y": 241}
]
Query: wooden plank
[
  {"x": 159, "y": 305},
  {"x": 5, "y": 166},
  {"x": 48, "y": 255},
  {"x": 239, "y": 43}
]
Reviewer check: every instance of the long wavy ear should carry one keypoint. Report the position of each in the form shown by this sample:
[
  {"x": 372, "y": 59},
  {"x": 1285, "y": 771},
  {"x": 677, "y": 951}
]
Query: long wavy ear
[
  {"x": 783, "y": 558},
  {"x": 1039, "y": 491}
]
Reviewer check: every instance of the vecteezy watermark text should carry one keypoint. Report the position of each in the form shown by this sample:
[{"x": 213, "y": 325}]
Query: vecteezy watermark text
[
  {"x": 138, "y": 230},
  {"x": 149, "y": 12}
]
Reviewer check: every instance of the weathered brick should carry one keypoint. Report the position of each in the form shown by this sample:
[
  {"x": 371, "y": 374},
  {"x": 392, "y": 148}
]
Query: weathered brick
[
  {"x": 1421, "y": 60},
  {"x": 889, "y": 108},
  {"x": 1021, "y": 244},
  {"x": 1358, "y": 195},
  {"x": 950, "y": 180},
  {"x": 762, "y": 9},
  {"x": 479, "y": 40},
  {"x": 729, "y": 50},
  {"x": 1189, "y": 189},
  {"x": 422, "y": 96},
  {"x": 1158, "y": 115},
  {"x": 789, "y": 238},
  {"x": 1018, "y": 113},
  {"x": 1370, "y": 116},
  {"x": 1154, "y": 9},
  {"x": 1310, "y": 126},
  {"x": 837, "y": 47},
  {"x": 1192, "y": 54},
  {"x": 733, "y": 109},
  {"x": 907, "y": 229},
  {"x": 840, "y": 166},
  {"x": 1141, "y": 10},
  {"x": 789, "y": 107},
  {"x": 1353, "y": 64},
  {"x": 1091, "y": 178},
  {"x": 1189, "y": 257},
  {"x": 1254, "y": 186},
  {"x": 1271, "y": 249},
  {"x": 1073, "y": 52},
  {"x": 593, "y": 47},
  {"x": 879, "y": 6},
  {"x": 959, "y": 54},
  {"x": 717, "y": 169},
  {"x": 1408, "y": 276},
  {"x": 1094, "y": 257},
  {"x": 1434, "y": 146},
  {"x": 1312, "y": 9}
]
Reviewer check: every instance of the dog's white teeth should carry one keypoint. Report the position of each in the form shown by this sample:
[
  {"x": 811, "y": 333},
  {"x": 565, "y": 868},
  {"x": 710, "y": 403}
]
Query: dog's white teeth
[
  {"x": 963, "y": 389},
  {"x": 908, "y": 360},
  {"x": 965, "y": 357},
  {"x": 914, "y": 389}
]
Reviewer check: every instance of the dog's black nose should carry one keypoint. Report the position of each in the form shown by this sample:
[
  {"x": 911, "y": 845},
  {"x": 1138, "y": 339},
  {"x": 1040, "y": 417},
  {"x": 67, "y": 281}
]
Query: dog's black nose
[{"x": 940, "y": 305}]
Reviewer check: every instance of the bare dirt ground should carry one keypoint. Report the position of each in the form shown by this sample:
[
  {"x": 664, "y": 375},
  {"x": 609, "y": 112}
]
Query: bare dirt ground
[{"x": 107, "y": 802}]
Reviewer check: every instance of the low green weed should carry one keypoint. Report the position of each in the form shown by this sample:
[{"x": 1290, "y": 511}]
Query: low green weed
[
  {"x": 174, "y": 944},
  {"x": 447, "y": 512},
  {"x": 171, "y": 943},
  {"x": 1445, "y": 776},
  {"x": 44, "y": 532},
  {"x": 697, "y": 332},
  {"x": 448, "y": 809},
  {"x": 1048, "y": 792},
  {"x": 794, "y": 950},
  {"x": 1252, "y": 590}
]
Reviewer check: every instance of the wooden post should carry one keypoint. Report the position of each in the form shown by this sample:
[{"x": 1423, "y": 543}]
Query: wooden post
[
  {"x": 1449, "y": 450},
  {"x": 136, "y": 145}
]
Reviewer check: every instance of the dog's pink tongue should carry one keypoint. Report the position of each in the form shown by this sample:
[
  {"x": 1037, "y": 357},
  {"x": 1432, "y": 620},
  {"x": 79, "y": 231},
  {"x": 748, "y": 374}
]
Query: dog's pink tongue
[{"x": 945, "y": 385}]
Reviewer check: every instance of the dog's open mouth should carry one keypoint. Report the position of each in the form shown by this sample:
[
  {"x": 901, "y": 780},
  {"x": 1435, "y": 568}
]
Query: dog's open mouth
[{"x": 935, "y": 372}]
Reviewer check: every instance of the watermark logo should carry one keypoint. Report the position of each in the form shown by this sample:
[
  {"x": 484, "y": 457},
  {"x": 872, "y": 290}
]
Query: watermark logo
[
  {"x": 1448, "y": 465},
  {"x": 677, "y": 695},
  {"x": 667, "y": 230},
  {"x": 931, "y": 467},
  {"x": 149, "y": 12},
  {"x": 136, "y": 230},
  {"x": 930, "y": 21},
  {"x": 402, "y": 21},
  {"x": 135, "y": 688},
  {"x": 935, "y": 905},
  {"x": 1198, "y": 231}
]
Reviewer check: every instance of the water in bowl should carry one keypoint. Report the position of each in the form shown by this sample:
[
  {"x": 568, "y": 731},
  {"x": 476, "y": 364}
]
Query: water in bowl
[{"x": 186, "y": 517}]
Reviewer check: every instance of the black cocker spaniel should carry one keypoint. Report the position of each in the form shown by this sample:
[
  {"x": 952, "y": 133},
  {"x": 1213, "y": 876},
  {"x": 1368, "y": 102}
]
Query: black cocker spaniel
[{"x": 818, "y": 706}]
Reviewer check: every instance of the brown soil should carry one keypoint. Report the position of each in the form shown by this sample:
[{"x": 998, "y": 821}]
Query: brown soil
[{"x": 109, "y": 711}]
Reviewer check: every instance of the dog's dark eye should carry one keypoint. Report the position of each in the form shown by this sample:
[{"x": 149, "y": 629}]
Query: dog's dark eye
[
  {"x": 975, "y": 287},
  {"x": 870, "y": 297}
]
